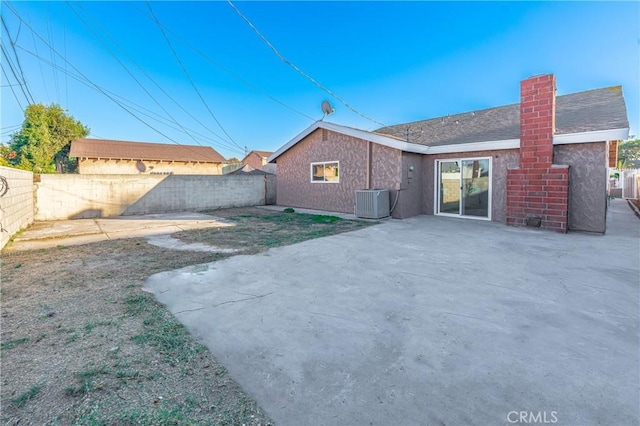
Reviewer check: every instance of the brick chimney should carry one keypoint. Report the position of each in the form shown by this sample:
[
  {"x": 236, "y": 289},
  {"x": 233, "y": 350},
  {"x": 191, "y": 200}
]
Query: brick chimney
[{"x": 538, "y": 191}]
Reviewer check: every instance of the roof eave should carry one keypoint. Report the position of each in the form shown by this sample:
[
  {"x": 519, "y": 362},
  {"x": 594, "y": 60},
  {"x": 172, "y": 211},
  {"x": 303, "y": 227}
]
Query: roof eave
[
  {"x": 559, "y": 139},
  {"x": 592, "y": 136},
  {"x": 360, "y": 134}
]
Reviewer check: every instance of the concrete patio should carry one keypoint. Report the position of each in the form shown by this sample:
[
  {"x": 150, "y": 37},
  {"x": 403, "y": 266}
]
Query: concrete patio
[{"x": 428, "y": 320}]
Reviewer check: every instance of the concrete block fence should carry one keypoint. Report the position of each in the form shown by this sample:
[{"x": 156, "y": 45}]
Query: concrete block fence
[
  {"x": 69, "y": 196},
  {"x": 86, "y": 196},
  {"x": 16, "y": 202}
]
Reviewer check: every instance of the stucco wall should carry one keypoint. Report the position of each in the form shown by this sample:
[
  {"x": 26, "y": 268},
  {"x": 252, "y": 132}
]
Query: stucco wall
[
  {"x": 124, "y": 167},
  {"x": 587, "y": 184},
  {"x": 82, "y": 196},
  {"x": 411, "y": 198},
  {"x": 294, "y": 181},
  {"x": 16, "y": 205},
  {"x": 500, "y": 161}
]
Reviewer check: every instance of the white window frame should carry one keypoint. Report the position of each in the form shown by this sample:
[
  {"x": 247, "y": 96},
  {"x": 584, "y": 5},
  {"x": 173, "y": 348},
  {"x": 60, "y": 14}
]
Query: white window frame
[{"x": 324, "y": 163}]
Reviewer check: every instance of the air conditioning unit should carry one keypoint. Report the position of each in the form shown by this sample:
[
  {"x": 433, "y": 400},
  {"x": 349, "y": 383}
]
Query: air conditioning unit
[{"x": 372, "y": 203}]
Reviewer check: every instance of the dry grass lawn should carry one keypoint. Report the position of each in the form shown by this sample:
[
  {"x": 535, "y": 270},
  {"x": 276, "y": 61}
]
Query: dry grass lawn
[{"x": 83, "y": 344}]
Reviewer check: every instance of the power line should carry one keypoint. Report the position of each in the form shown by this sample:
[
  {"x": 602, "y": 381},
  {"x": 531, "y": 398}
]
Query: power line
[
  {"x": 130, "y": 73},
  {"x": 231, "y": 73},
  {"x": 53, "y": 58},
  {"x": 10, "y": 129},
  {"x": 11, "y": 87},
  {"x": 157, "y": 85},
  {"x": 297, "y": 69},
  {"x": 19, "y": 66},
  {"x": 131, "y": 105},
  {"x": 186, "y": 73},
  {"x": 100, "y": 89},
  {"x": 15, "y": 74}
]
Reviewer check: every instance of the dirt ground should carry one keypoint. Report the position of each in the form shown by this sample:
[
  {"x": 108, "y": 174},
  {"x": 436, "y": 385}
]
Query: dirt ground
[{"x": 83, "y": 344}]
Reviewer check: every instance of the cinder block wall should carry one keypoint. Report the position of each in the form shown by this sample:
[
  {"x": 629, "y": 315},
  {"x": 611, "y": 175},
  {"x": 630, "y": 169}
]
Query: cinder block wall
[
  {"x": 16, "y": 205},
  {"x": 85, "y": 196}
]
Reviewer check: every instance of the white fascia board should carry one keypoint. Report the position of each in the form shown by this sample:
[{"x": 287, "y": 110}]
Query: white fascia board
[
  {"x": 349, "y": 131},
  {"x": 475, "y": 146},
  {"x": 376, "y": 138},
  {"x": 569, "y": 138},
  {"x": 594, "y": 136}
]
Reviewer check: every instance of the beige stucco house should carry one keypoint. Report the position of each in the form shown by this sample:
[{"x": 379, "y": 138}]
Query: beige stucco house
[{"x": 102, "y": 156}]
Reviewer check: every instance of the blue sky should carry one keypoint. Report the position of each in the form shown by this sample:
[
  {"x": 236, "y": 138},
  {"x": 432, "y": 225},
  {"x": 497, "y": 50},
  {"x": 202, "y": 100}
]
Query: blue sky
[{"x": 393, "y": 62}]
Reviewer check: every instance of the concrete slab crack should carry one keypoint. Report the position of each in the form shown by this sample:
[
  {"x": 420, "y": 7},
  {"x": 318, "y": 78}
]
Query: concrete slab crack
[
  {"x": 95, "y": 220},
  {"x": 224, "y": 303}
]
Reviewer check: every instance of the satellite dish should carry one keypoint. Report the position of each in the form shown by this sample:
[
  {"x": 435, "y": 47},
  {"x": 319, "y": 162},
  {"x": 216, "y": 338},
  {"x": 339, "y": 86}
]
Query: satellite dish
[{"x": 327, "y": 109}]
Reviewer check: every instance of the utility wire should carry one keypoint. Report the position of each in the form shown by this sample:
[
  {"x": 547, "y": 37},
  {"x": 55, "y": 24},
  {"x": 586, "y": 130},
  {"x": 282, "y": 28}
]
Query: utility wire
[
  {"x": 186, "y": 73},
  {"x": 129, "y": 104},
  {"x": 13, "y": 47},
  {"x": 11, "y": 87},
  {"x": 297, "y": 69},
  {"x": 15, "y": 74},
  {"x": 100, "y": 89},
  {"x": 204, "y": 126},
  {"x": 226, "y": 70},
  {"x": 10, "y": 129},
  {"x": 35, "y": 45},
  {"x": 231, "y": 73},
  {"x": 53, "y": 58},
  {"x": 131, "y": 74}
]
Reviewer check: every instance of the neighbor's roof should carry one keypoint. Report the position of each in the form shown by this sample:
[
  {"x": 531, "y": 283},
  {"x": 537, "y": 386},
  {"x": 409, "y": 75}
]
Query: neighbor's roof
[
  {"x": 263, "y": 154},
  {"x": 591, "y": 116},
  {"x": 593, "y": 110},
  {"x": 124, "y": 150},
  {"x": 248, "y": 170}
]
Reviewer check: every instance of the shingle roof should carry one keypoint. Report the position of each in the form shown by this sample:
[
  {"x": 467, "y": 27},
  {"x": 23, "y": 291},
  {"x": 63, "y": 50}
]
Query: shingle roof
[
  {"x": 600, "y": 109},
  {"x": 263, "y": 154},
  {"x": 125, "y": 150},
  {"x": 248, "y": 170}
]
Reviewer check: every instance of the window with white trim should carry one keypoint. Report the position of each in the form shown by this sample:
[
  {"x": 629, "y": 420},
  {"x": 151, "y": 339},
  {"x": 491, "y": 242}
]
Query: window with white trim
[{"x": 325, "y": 172}]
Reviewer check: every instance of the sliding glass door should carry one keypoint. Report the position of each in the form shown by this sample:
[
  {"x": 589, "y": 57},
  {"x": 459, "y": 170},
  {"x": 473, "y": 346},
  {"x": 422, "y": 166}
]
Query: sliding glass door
[{"x": 464, "y": 187}]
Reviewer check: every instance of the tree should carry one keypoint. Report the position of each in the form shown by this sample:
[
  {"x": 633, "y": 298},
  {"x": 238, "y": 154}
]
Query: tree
[
  {"x": 627, "y": 151},
  {"x": 42, "y": 144}
]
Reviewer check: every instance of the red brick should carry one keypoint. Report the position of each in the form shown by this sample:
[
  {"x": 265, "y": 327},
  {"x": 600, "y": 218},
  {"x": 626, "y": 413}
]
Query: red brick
[
  {"x": 557, "y": 194},
  {"x": 557, "y": 176},
  {"x": 532, "y": 211},
  {"x": 536, "y": 205},
  {"x": 557, "y": 190},
  {"x": 541, "y": 165}
]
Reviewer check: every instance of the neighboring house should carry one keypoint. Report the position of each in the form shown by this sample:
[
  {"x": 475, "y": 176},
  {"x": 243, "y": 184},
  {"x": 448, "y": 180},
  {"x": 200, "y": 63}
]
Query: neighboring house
[
  {"x": 542, "y": 162},
  {"x": 101, "y": 156},
  {"x": 259, "y": 160},
  {"x": 269, "y": 181},
  {"x": 247, "y": 170}
]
